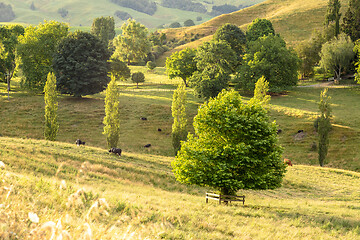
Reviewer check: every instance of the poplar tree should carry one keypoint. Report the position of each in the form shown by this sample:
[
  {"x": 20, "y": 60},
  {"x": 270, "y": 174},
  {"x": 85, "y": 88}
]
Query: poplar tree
[
  {"x": 333, "y": 15},
  {"x": 112, "y": 114},
  {"x": 51, "y": 106},
  {"x": 324, "y": 126},
  {"x": 178, "y": 110},
  {"x": 261, "y": 88}
]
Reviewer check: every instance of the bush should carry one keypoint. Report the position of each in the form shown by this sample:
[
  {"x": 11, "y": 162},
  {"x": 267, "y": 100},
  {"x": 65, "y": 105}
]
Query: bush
[
  {"x": 150, "y": 65},
  {"x": 175, "y": 25},
  {"x": 189, "y": 23},
  {"x": 122, "y": 15},
  {"x": 63, "y": 12},
  {"x": 138, "y": 77}
]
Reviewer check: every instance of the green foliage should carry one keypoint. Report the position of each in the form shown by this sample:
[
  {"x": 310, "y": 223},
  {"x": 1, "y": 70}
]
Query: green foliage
[
  {"x": 234, "y": 147},
  {"x": 351, "y": 20},
  {"x": 309, "y": 54},
  {"x": 324, "y": 126},
  {"x": 144, "y": 6},
  {"x": 112, "y": 114},
  {"x": 268, "y": 57},
  {"x": 36, "y": 50},
  {"x": 151, "y": 65},
  {"x": 133, "y": 44},
  {"x": 357, "y": 64},
  {"x": 209, "y": 82},
  {"x": 122, "y": 15},
  {"x": 51, "y": 107},
  {"x": 9, "y": 40},
  {"x": 187, "y": 5},
  {"x": 178, "y": 110},
  {"x": 104, "y": 28},
  {"x": 81, "y": 64},
  {"x": 119, "y": 69},
  {"x": 261, "y": 88},
  {"x": 189, "y": 23},
  {"x": 333, "y": 15},
  {"x": 232, "y": 35},
  {"x": 259, "y": 28},
  {"x": 336, "y": 55},
  {"x": 63, "y": 12},
  {"x": 138, "y": 77},
  {"x": 6, "y": 13},
  {"x": 175, "y": 25},
  {"x": 181, "y": 64},
  {"x": 223, "y": 9},
  {"x": 216, "y": 54}
]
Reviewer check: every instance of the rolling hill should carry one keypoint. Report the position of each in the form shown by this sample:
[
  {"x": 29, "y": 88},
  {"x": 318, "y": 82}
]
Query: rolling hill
[
  {"x": 294, "y": 20},
  {"x": 82, "y": 12}
]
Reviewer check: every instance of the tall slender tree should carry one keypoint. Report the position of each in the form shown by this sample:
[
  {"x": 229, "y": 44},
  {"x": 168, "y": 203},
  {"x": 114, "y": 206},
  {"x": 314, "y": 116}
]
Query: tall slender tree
[
  {"x": 112, "y": 114},
  {"x": 324, "y": 126},
  {"x": 261, "y": 88},
  {"x": 178, "y": 109},
  {"x": 351, "y": 20},
  {"x": 51, "y": 106},
  {"x": 333, "y": 15}
]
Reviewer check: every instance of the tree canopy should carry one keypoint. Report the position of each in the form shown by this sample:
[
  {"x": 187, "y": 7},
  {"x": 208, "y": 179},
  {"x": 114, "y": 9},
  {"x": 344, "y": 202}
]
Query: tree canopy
[
  {"x": 181, "y": 64},
  {"x": 234, "y": 147},
  {"x": 333, "y": 15},
  {"x": 119, "y": 69},
  {"x": 36, "y": 50},
  {"x": 133, "y": 44},
  {"x": 351, "y": 20},
  {"x": 104, "y": 28},
  {"x": 259, "y": 28},
  {"x": 337, "y": 55},
  {"x": 81, "y": 64},
  {"x": 268, "y": 57},
  {"x": 232, "y": 35}
]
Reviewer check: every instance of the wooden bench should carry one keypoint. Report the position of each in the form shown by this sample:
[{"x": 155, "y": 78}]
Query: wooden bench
[{"x": 225, "y": 198}]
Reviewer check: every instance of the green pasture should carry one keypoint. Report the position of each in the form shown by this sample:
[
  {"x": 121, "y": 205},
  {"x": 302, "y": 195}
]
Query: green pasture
[{"x": 145, "y": 202}]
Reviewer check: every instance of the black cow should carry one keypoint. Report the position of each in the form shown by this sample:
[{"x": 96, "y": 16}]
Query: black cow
[
  {"x": 143, "y": 118},
  {"x": 79, "y": 142},
  {"x": 147, "y": 145},
  {"x": 115, "y": 151}
]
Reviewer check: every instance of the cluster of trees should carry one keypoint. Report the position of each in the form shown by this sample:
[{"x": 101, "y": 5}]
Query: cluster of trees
[
  {"x": 235, "y": 56},
  {"x": 6, "y": 13},
  {"x": 144, "y": 6},
  {"x": 186, "y": 5},
  {"x": 332, "y": 48},
  {"x": 223, "y": 9},
  {"x": 122, "y": 15},
  {"x": 63, "y": 12}
]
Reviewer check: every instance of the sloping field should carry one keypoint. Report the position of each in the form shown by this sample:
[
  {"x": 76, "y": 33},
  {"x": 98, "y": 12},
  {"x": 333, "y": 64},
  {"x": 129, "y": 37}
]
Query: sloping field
[
  {"x": 294, "y": 20},
  {"x": 136, "y": 197}
]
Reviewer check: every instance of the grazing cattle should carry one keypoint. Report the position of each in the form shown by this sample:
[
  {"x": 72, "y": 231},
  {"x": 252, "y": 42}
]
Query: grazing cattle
[
  {"x": 279, "y": 131},
  {"x": 147, "y": 145},
  {"x": 115, "y": 151},
  {"x": 159, "y": 129},
  {"x": 300, "y": 131},
  {"x": 79, "y": 142},
  {"x": 143, "y": 118},
  {"x": 287, "y": 161}
]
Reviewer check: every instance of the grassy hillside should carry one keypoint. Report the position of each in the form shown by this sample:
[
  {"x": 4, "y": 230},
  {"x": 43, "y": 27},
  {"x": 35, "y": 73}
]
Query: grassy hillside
[
  {"x": 295, "y": 20},
  {"x": 136, "y": 197},
  {"x": 82, "y": 12}
]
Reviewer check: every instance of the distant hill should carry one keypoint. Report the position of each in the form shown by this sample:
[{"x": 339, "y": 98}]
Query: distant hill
[
  {"x": 151, "y": 13},
  {"x": 295, "y": 20}
]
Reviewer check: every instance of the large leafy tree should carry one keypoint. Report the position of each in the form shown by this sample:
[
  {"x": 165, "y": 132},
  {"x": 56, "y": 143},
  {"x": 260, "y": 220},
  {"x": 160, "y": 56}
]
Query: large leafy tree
[
  {"x": 234, "y": 147},
  {"x": 112, "y": 114},
  {"x": 9, "y": 39},
  {"x": 337, "y": 54},
  {"x": 51, "y": 107},
  {"x": 81, "y": 64},
  {"x": 351, "y": 20},
  {"x": 259, "y": 28},
  {"x": 104, "y": 28},
  {"x": 357, "y": 64},
  {"x": 178, "y": 110},
  {"x": 233, "y": 35},
  {"x": 216, "y": 54},
  {"x": 269, "y": 57},
  {"x": 36, "y": 50},
  {"x": 119, "y": 69},
  {"x": 181, "y": 64},
  {"x": 333, "y": 15},
  {"x": 209, "y": 82},
  {"x": 133, "y": 44}
]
